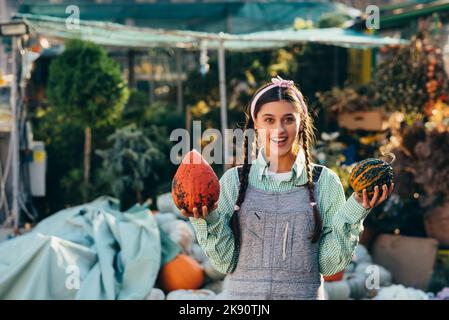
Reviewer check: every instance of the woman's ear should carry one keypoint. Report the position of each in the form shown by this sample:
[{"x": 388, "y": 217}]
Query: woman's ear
[{"x": 301, "y": 128}]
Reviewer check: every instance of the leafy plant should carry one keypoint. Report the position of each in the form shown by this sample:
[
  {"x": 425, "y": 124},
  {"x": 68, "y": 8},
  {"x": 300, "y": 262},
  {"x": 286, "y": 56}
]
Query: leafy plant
[
  {"x": 130, "y": 163},
  {"x": 87, "y": 87},
  {"x": 63, "y": 142},
  {"x": 332, "y": 20},
  {"x": 440, "y": 276},
  {"x": 421, "y": 178},
  {"x": 329, "y": 152},
  {"x": 398, "y": 215},
  {"x": 422, "y": 163}
]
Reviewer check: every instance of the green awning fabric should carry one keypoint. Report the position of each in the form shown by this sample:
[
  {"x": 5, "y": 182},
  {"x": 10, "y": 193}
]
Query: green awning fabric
[
  {"x": 403, "y": 13},
  {"x": 231, "y": 16},
  {"x": 331, "y": 36},
  {"x": 113, "y": 34}
]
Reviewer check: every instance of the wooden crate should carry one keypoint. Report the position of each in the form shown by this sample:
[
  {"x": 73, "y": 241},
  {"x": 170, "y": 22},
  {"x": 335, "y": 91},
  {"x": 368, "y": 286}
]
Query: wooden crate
[{"x": 375, "y": 120}]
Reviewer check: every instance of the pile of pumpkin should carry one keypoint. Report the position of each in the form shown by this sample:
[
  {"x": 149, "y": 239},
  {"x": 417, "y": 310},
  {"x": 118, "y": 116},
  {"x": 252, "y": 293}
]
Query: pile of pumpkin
[
  {"x": 190, "y": 275},
  {"x": 362, "y": 279},
  {"x": 351, "y": 282}
]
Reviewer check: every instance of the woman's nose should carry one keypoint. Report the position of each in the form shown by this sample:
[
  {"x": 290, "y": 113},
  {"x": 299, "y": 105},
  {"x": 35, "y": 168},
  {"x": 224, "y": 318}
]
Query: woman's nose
[{"x": 280, "y": 129}]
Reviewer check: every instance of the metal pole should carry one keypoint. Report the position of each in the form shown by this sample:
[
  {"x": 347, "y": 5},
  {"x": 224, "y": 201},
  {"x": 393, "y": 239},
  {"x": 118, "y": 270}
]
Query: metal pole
[
  {"x": 223, "y": 102},
  {"x": 179, "y": 82},
  {"x": 14, "y": 140},
  {"x": 3, "y": 17}
]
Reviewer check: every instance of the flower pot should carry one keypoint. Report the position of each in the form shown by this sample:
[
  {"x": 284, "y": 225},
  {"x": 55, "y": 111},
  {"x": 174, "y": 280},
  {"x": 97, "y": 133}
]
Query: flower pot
[
  {"x": 411, "y": 260},
  {"x": 436, "y": 222}
]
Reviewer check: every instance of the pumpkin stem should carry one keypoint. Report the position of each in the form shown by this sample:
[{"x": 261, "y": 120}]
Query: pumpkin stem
[
  {"x": 389, "y": 154},
  {"x": 393, "y": 157}
]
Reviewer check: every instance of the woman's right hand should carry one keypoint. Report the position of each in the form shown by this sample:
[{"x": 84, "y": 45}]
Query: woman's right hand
[{"x": 197, "y": 214}]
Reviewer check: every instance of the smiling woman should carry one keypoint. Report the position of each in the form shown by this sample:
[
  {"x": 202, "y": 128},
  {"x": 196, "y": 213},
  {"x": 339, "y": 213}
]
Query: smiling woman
[
  {"x": 281, "y": 221},
  {"x": 277, "y": 127}
]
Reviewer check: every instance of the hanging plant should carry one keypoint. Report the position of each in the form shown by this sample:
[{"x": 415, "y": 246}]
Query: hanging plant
[{"x": 412, "y": 78}]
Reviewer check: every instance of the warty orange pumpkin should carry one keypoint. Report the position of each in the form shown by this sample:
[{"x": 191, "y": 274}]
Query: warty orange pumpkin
[{"x": 195, "y": 184}]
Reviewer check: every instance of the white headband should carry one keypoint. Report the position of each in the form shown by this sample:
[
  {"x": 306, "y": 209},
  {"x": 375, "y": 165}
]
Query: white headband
[{"x": 277, "y": 82}]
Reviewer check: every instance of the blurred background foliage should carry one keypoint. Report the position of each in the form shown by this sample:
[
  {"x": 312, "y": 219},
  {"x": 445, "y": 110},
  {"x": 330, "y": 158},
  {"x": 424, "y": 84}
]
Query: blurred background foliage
[{"x": 246, "y": 71}]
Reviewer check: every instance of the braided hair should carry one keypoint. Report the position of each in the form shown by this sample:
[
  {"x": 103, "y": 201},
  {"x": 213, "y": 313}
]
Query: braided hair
[{"x": 306, "y": 139}]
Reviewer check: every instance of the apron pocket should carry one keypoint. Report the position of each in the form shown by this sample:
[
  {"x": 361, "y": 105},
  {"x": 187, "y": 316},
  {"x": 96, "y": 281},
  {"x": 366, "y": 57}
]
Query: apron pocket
[{"x": 251, "y": 252}]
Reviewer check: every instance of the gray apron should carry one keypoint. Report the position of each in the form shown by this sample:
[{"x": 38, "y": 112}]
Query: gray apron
[{"x": 277, "y": 260}]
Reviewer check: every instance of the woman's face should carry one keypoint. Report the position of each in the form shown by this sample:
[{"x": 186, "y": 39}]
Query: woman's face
[{"x": 278, "y": 124}]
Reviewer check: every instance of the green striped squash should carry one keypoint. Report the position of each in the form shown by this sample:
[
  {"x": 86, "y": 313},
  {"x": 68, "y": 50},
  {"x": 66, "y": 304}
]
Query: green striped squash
[{"x": 369, "y": 173}]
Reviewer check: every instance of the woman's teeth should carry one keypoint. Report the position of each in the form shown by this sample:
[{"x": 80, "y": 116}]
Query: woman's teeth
[{"x": 278, "y": 140}]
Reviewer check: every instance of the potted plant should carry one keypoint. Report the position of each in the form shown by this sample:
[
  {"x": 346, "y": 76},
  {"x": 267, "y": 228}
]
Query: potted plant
[
  {"x": 422, "y": 178},
  {"x": 354, "y": 108}
]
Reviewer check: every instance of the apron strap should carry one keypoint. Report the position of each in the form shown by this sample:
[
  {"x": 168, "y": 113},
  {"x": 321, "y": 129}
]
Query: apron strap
[
  {"x": 317, "y": 169},
  {"x": 239, "y": 171},
  {"x": 316, "y": 173}
]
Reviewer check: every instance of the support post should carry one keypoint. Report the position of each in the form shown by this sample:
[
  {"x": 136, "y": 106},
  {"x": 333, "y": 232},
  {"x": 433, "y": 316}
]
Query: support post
[
  {"x": 223, "y": 103},
  {"x": 14, "y": 139}
]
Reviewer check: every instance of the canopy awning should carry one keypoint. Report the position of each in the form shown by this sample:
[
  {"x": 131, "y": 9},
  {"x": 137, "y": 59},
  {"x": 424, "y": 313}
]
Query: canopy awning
[
  {"x": 114, "y": 34},
  {"x": 230, "y": 16}
]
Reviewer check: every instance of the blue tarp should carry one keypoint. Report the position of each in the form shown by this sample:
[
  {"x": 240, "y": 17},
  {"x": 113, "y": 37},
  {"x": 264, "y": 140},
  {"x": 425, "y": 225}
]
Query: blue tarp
[{"x": 92, "y": 251}]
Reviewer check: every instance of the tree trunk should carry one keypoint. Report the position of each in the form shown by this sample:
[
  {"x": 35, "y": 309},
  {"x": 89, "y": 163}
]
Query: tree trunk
[
  {"x": 139, "y": 196},
  {"x": 87, "y": 151}
]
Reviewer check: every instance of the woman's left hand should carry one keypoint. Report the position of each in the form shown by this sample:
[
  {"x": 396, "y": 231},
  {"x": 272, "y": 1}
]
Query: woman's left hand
[{"x": 376, "y": 199}]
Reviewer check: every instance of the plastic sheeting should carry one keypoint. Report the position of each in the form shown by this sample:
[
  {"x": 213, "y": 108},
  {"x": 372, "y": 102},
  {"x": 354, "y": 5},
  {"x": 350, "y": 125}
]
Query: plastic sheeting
[{"x": 92, "y": 251}]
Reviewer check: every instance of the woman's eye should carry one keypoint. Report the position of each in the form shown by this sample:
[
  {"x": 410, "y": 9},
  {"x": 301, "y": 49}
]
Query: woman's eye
[
  {"x": 288, "y": 120},
  {"x": 269, "y": 120}
]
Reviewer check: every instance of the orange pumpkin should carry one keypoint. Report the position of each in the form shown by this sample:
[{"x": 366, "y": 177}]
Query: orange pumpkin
[
  {"x": 195, "y": 184},
  {"x": 183, "y": 272}
]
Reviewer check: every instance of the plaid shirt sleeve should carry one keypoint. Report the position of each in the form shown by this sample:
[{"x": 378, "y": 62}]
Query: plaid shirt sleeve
[
  {"x": 342, "y": 224},
  {"x": 214, "y": 233}
]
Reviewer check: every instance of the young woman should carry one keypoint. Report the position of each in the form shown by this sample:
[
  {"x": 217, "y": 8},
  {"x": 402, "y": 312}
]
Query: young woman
[{"x": 281, "y": 221}]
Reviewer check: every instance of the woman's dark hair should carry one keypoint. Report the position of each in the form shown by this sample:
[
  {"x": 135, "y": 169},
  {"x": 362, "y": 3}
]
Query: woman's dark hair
[{"x": 305, "y": 139}]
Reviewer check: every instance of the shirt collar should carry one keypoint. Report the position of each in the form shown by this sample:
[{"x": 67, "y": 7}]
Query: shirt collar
[{"x": 297, "y": 168}]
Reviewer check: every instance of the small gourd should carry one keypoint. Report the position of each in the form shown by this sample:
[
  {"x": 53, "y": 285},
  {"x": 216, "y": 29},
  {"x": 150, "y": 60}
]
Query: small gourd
[{"x": 369, "y": 173}]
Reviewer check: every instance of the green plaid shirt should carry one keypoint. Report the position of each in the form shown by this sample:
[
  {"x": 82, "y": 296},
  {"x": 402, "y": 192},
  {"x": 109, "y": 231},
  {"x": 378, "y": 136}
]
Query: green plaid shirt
[{"x": 342, "y": 219}]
